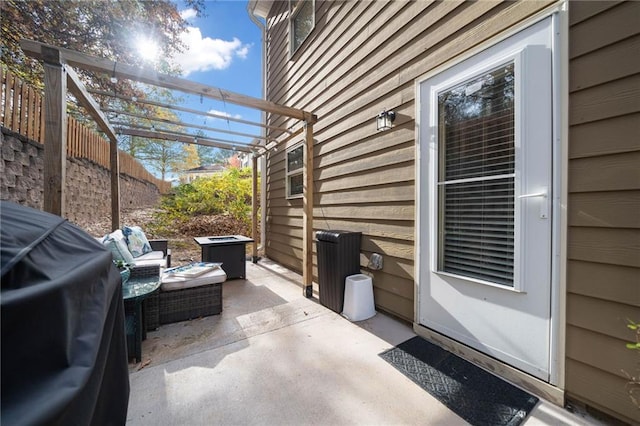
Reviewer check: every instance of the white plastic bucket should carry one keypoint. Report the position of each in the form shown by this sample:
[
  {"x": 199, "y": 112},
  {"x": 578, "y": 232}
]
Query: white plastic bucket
[{"x": 358, "y": 298}]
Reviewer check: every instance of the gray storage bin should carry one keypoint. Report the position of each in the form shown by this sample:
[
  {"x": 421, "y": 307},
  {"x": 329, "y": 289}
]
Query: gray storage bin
[{"x": 338, "y": 257}]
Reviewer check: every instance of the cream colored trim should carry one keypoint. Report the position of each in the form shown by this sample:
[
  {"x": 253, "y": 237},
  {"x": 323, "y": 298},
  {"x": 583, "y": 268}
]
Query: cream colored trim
[
  {"x": 561, "y": 153},
  {"x": 553, "y": 392},
  {"x": 417, "y": 200},
  {"x": 293, "y": 14},
  {"x": 516, "y": 377},
  {"x": 252, "y": 11},
  {"x": 260, "y": 8}
]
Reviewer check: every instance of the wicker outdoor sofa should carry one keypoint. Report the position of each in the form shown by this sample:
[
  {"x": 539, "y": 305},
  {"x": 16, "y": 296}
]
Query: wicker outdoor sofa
[
  {"x": 157, "y": 245},
  {"x": 178, "y": 298}
]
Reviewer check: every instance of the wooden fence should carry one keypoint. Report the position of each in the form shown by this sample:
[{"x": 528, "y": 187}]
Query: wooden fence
[{"x": 22, "y": 109}]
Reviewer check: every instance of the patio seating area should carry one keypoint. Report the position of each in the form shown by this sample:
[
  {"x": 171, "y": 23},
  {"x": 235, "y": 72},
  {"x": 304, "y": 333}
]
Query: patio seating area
[{"x": 273, "y": 356}]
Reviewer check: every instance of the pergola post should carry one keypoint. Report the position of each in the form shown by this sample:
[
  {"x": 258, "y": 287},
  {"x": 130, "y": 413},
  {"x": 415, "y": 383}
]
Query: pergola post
[
  {"x": 254, "y": 208},
  {"x": 114, "y": 163},
  {"x": 307, "y": 214},
  {"x": 55, "y": 134}
]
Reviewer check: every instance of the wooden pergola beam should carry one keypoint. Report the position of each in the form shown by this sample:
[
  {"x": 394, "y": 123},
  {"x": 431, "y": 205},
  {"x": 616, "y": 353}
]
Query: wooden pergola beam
[
  {"x": 84, "y": 98},
  {"x": 119, "y": 70},
  {"x": 202, "y": 140},
  {"x": 180, "y": 123},
  {"x": 170, "y": 135},
  {"x": 189, "y": 110},
  {"x": 273, "y": 144}
]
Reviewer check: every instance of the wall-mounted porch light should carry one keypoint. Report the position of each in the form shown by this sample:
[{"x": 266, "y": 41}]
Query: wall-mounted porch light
[{"x": 385, "y": 119}]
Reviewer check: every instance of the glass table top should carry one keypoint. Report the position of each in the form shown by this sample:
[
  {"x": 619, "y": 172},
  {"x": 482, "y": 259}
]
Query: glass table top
[{"x": 138, "y": 287}]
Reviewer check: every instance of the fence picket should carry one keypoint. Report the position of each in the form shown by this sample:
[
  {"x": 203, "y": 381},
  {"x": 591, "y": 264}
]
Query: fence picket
[
  {"x": 77, "y": 135},
  {"x": 16, "y": 105},
  {"x": 77, "y": 130},
  {"x": 4, "y": 95},
  {"x": 6, "y": 98},
  {"x": 43, "y": 110},
  {"x": 30, "y": 107},
  {"x": 70, "y": 137},
  {"x": 24, "y": 98}
]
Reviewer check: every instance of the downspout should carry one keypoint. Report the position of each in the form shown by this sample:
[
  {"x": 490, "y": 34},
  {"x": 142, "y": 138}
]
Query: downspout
[{"x": 251, "y": 5}]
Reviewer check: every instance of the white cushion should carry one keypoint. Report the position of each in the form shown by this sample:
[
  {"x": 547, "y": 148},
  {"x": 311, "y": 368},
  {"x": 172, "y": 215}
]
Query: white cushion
[
  {"x": 172, "y": 282},
  {"x": 116, "y": 243},
  {"x": 152, "y": 255},
  {"x": 142, "y": 261}
]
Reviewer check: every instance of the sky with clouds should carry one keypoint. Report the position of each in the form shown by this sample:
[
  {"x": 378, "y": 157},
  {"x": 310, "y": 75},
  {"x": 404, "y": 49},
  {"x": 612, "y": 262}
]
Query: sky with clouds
[
  {"x": 224, "y": 50},
  {"x": 206, "y": 53}
]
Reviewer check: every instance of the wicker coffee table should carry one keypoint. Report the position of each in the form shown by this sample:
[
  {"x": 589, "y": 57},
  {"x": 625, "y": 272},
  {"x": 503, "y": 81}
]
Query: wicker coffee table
[{"x": 182, "y": 299}]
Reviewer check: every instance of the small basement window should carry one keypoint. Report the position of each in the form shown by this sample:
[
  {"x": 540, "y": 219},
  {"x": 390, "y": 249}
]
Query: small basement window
[
  {"x": 301, "y": 21},
  {"x": 295, "y": 163}
]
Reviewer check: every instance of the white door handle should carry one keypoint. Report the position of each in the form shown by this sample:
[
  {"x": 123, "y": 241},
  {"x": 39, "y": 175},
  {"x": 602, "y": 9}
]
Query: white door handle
[
  {"x": 544, "y": 206},
  {"x": 537, "y": 194}
]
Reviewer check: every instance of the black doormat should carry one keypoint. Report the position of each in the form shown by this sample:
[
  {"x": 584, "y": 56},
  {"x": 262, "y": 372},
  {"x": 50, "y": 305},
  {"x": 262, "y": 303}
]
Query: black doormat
[{"x": 472, "y": 393}]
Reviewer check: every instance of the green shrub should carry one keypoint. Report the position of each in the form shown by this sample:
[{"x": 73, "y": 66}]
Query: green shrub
[{"x": 227, "y": 193}]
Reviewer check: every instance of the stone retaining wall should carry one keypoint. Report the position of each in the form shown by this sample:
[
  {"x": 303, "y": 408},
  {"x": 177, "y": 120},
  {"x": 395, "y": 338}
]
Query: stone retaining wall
[{"x": 88, "y": 184}]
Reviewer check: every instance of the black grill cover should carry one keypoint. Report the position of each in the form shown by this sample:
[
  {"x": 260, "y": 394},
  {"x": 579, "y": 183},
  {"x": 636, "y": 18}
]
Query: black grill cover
[{"x": 64, "y": 358}]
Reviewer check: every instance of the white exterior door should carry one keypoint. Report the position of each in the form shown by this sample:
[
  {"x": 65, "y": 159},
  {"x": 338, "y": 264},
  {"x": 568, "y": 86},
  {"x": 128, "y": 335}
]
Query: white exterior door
[{"x": 485, "y": 201}]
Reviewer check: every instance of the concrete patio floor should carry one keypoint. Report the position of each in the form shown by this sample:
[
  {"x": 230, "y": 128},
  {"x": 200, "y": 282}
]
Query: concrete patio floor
[{"x": 274, "y": 357}]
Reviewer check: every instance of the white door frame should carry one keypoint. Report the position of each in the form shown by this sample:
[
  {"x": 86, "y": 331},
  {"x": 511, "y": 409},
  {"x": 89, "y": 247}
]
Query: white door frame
[{"x": 554, "y": 390}]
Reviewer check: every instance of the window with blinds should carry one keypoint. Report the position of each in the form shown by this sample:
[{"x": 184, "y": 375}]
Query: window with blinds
[
  {"x": 476, "y": 177},
  {"x": 295, "y": 164},
  {"x": 302, "y": 21}
]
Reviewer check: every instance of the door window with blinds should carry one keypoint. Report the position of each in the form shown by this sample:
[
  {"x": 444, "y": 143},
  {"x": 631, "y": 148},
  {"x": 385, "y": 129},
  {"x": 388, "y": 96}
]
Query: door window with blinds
[{"x": 475, "y": 180}]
